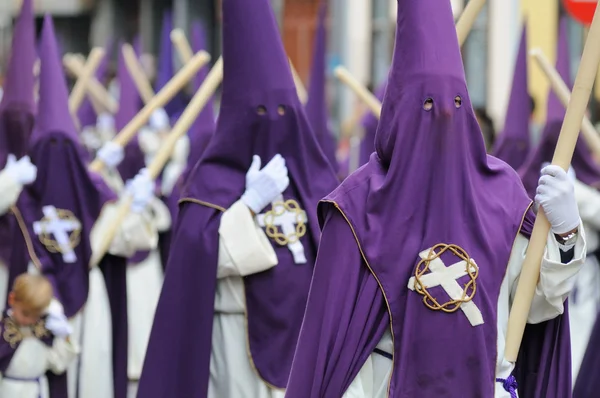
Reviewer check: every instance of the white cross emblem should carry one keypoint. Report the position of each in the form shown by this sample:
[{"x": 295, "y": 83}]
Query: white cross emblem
[
  {"x": 447, "y": 277},
  {"x": 287, "y": 220},
  {"x": 60, "y": 226}
]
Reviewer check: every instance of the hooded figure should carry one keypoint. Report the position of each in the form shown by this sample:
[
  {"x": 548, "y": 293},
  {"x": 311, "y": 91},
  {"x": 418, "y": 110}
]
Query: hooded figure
[
  {"x": 17, "y": 114},
  {"x": 369, "y": 123},
  {"x": 61, "y": 217},
  {"x": 316, "y": 107},
  {"x": 248, "y": 291},
  {"x": 420, "y": 248},
  {"x": 514, "y": 142}
]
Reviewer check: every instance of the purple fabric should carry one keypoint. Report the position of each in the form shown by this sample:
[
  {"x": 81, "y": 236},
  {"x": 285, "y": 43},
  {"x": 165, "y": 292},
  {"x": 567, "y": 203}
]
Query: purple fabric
[
  {"x": 129, "y": 105},
  {"x": 369, "y": 123},
  {"x": 18, "y": 108},
  {"x": 275, "y": 299},
  {"x": 316, "y": 107},
  {"x": 586, "y": 168},
  {"x": 588, "y": 382},
  {"x": 513, "y": 146},
  {"x": 398, "y": 205},
  {"x": 165, "y": 65}
]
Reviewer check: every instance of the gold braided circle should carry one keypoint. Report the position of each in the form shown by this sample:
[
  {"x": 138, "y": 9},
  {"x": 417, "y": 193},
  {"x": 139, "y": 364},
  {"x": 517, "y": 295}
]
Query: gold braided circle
[
  {"x": 13, "y": 335},
  {"x": 50, "y": 243},
  {"x": 469, "y": 288},
  {"x": 278, "y": 209}
]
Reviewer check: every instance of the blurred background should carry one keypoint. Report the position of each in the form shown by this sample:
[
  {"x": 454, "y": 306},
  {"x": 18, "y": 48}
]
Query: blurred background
[{"x": 361, "y": 37}]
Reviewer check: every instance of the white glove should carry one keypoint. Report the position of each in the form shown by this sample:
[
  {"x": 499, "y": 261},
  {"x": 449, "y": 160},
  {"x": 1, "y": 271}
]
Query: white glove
[
  {"x": 141, "y": 187},
  {"x": 264, "y": 186},
  {"x": 105, "y": 122},
  {"x": 22, "y": 171},
  {"x": 159, "y": 120},
  {"x": 58, "y": 324},
  {"x": 556, "y": 195},
  {"x": 570, "y": 172},
  {"x": 111, "y": 154}
]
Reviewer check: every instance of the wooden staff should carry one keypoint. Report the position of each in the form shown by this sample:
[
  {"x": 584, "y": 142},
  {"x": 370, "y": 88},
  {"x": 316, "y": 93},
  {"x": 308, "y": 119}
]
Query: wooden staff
[
  {"x": 564, "y": 95},
  {"x": 181, "y": 44},
  {"x": 467, "y": 19},
  {"x": 94, "y": 88},
  {"x": 79, "y": 90},
  {"x": 174, "y": 85},
  {"x": 189, "y": 115},
  {"x": 562, "y": 157},
  {"x": 137, "y": 73},
  {"x": 300, "y": 89}
]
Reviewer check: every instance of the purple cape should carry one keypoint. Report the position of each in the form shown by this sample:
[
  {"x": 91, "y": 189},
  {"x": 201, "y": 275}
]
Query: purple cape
[
  {"x": 586, "y": 168},
  {"x": 513, "y": 144},
  {"x": 260, "y": 114},
  {"x": 369, "y": 123},
  {"x": 399, "y": 205}
]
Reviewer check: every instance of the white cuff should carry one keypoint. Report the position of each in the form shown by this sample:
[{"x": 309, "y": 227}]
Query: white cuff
[
  {"x": 11, "y": 189},
  {"x": 244, "y": 242}
]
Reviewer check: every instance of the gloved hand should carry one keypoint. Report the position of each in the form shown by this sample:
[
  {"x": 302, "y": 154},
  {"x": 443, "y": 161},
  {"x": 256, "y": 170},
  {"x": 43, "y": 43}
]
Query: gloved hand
[
  {"x": 141, "y": 187},
  {"x": 105, "y": 121},
  {"x": 58, "y": 324},
  {"x": 556, "y": 194},
  {"x": 159, "y": 120},
  {"x": 111, "y": 154},
  {"x": 22, "y": 171},
  {"x": 570, "y": 172},
  {"x": 264, "y": 186}
]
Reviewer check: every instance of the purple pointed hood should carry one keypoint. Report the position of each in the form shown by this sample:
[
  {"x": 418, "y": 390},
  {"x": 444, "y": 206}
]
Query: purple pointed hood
[
  {"x": 63, "y": 180},
  {"x": 513, "y": 146},
  {"x": 586, "y": 168},
  {"x": 369, "y": 123},
  {"x": 18, "y": 108},
  {"x": 316, "y": 107}
]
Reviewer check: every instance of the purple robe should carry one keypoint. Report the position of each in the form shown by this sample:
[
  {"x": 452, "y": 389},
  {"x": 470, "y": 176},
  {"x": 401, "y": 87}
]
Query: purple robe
[
  {"x": 254, "y": 79},
  {"x": 513, "y": 144},
  {"x": 396, "y": 206},
  {"x": 64, "y": 182},
  {"x": 588, "y": 382},
  {"x": 586, "y": 168},
  {"x": 369, "y": 123}
]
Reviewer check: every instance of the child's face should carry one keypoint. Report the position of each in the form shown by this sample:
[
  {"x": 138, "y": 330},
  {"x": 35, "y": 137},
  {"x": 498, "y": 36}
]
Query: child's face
[{"x": 22, "y": 315}]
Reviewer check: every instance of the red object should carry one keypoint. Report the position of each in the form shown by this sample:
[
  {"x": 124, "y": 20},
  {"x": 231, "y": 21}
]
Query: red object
[{"x": 581, "y": 10}]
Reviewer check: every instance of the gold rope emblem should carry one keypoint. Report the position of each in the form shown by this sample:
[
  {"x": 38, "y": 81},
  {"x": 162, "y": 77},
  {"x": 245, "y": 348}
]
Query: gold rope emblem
[
  {"x": 278, "y": 209},
  {"x": 13, "y": 334},
  {"x": 59, "y": 231},
  {"x": 469, "y": 289}
]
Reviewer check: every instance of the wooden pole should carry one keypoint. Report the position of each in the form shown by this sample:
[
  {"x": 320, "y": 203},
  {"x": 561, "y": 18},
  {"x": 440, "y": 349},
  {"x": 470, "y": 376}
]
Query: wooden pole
[
  {"x": 181, "y": 44},
  {"x": 562, "y": 157},
  {"x": 174, "y": 85},
  {"x": 94, "y": 88},
  {"x": 564, "y": 95},
  {"x": 467, "y": 19},
  {"x": 79, "y": 90},
  {"x": 137, "y": 73},
  {"x": 189, "y": 115}
]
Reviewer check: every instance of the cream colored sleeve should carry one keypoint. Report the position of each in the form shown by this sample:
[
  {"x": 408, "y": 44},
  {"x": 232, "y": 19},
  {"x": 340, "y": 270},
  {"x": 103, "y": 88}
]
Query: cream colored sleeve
[
  {"x": 244, "y": 249},
  {"x": 160, "y": 213},
  {"x": 61, "y": 355},
  {"x": 588, "y": 202},
  {"x": 556, "y": 279},
  {"x": 136, "y": 233},
  {"x": 10, "y": 192}
]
